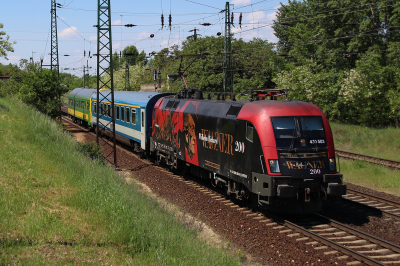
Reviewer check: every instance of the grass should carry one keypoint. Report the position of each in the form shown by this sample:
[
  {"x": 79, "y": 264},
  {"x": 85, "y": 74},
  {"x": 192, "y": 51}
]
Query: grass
[
  {"x": 382, "y": 143},
  {"x": 372, "y": 176},
  {"x": 57, "y": 206}
]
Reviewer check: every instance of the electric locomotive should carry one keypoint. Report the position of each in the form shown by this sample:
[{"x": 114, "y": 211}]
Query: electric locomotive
[{"x": 279, "y": 154}]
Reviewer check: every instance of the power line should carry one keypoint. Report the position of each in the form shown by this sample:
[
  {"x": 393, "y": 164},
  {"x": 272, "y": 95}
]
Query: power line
[{"x": 203, "y": 4}]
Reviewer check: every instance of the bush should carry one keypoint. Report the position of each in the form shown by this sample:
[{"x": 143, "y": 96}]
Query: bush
[{"x": 92, "y": 150}]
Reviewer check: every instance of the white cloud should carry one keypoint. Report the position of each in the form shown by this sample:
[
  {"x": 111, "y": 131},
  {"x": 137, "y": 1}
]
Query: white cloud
[
  {"x": 240, "y": 2},
  {"x": 66, "y": 33},
  {"x": 116, "y": 46},
  {"x": 14, "y": 59},
  {"x": 164, "y": 43},
  {"x": 93, "y": 38},
  {"x": 141, "y": 35},
  {"x": 255, "y": 17},
  {"x": 117, "y": 22},
  {"x": 271, "y": 16}
]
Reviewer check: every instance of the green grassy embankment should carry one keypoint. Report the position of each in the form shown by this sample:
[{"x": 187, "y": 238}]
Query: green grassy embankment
[
  {"x": 59, "y": 207},
  {"x": 382, "y": 143}
]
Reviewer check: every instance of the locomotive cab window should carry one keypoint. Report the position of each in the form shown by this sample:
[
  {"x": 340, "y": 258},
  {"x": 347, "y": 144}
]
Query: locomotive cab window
[
  {"x": 299, "y": 132},
  {"x": 249, "y": 131},
  {"x": 134, "y": 116}
]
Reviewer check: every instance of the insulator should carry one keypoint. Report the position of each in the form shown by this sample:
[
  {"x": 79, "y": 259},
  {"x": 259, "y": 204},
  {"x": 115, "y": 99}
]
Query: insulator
[
  {"x": 152, "y": 35},
  {"x": 84, "y": 53},
  {"x": 170, "y": 21},
  {"x": 232, "y": 18},
  {"x": 240, "y": 19},
  {"x": 162, "y": 20},
  {"x": 130, "y": 25},
  {"x": 219, "y": 33}
]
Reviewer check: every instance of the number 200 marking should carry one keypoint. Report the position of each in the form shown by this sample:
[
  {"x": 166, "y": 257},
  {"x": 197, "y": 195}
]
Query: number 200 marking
[
  {"x": 239, "y": 146},
  {"x": 315, "y": 171}
]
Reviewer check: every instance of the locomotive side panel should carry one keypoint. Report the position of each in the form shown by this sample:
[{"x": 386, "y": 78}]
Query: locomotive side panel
[{"x": 201, "y": 133}]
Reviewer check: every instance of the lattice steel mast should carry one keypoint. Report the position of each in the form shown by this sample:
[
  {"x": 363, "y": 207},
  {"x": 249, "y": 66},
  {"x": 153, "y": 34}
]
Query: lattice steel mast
[
  {"x": 54, "y": 39},
  {"x": 228, "y": 75},
  {"x": 105, "y": 87}
]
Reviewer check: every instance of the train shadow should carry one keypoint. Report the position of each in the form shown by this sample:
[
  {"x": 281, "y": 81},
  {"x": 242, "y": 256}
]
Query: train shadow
[{"x": 348, "y": 212}]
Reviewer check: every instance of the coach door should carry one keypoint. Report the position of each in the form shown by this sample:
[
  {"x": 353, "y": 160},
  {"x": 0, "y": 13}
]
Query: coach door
[{"x": 142, "y": 129}]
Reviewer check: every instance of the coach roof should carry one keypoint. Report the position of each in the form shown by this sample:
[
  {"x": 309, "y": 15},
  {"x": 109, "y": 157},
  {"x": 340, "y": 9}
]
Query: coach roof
[{"x": 139, "y": 98}]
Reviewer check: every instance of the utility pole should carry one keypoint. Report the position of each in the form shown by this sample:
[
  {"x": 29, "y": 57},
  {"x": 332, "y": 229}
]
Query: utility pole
[
  {"x": 194, "y": 34},
  {"x": 84, "y": 76},
  {"x": 54, "y": 39},
  {"x": 228, "y": 75},
  {"x": 105, "y": 88},
  {"x": 127, "y": 85}
]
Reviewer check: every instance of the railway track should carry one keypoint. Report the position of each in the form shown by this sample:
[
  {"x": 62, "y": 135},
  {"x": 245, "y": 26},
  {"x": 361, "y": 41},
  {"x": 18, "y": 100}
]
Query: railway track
[
  {"x": 333, "y": 237},
  {"x": 355, "y": 156},
  {"x": 326, "y": 236},
  {"x": 387, "y": 207}
]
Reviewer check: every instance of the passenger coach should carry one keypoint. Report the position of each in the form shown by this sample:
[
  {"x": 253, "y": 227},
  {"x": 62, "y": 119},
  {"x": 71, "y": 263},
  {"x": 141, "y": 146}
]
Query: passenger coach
[{"x": 133, "y": 112}]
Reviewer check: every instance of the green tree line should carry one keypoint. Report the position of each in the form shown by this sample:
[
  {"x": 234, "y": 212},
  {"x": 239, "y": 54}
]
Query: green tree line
[{"x": 340, "y": 55}]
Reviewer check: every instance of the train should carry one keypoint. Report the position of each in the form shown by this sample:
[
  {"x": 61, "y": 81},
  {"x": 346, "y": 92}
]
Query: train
[{"x": 279, "y": 155}]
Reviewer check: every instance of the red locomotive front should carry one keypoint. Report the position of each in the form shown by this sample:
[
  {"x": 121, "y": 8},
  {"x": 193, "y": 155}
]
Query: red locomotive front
[{"x": 278, "y": 153}]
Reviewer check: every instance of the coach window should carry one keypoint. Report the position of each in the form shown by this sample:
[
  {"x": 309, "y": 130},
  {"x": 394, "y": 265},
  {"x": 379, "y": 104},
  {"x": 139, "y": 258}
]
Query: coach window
[
  {"x": 94, "y": 108},
  {"x": 117, "y": 107},
  {"x": 142, "y": 119},
  {"x": 134, "y": 116},
  {"x": 127, "y": 115},
  {"x": 122, "y": 114},
  {"x": 109, "y": 111},
  {"x": 249, "y": 131}
]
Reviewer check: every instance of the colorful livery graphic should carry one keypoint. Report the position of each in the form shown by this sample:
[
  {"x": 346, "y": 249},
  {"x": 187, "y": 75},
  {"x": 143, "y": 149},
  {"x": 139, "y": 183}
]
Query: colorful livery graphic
[{"x": 278, "y": 154}]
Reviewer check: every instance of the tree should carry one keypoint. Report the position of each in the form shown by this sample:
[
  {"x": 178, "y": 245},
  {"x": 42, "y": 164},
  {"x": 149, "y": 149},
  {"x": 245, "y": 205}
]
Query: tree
[
  {"x": 130, "y": 53},
  {"x": 40, "y": 88},
  {"x": 5, "y": 45},
  {"x": 141, "y": 60}
]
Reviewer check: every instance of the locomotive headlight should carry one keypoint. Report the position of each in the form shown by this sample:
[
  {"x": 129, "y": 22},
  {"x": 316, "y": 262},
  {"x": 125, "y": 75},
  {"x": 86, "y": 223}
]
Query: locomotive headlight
[
  {"x": 274, "y": 166},
  {"x": 332, "y": 164}
]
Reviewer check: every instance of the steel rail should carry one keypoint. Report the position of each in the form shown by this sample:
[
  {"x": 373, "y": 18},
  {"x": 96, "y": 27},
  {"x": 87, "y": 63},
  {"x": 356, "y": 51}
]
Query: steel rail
[
  {"x": 379, "y": 161},
  {"x": 348, "y": 251},
  {"x": 386, "y": 213},
  {"x": 364, "y": 235},
  {"x": 356, "y": 192}
]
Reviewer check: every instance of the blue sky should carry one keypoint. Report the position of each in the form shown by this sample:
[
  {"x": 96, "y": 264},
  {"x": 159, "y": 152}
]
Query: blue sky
[{"x": 28, "y": 23}]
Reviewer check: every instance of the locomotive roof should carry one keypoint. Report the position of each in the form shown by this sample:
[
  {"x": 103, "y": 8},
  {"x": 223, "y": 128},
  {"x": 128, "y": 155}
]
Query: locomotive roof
[
  {"x": 139, "y": 98},
  {"x": 248, "y": 108}
]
